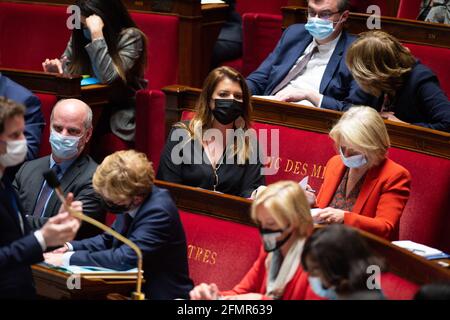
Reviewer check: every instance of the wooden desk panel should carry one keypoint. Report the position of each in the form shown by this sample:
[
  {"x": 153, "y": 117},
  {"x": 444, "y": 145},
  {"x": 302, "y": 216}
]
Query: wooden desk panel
[
  {"x": 52, "y": 284},
  {"x": 404, "y": 136},
  {"x": 400, "y": 261}
]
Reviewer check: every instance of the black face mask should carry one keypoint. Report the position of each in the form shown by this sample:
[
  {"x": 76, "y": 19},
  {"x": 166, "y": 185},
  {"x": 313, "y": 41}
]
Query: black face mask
[
  {"x": 269, "y": 239},
  {"x": 114, "y": 208},
  {"x": 227, "y": 110}
]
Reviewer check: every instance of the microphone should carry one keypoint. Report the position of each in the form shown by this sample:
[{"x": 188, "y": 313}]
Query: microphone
[{"x": 52, "y": 180}]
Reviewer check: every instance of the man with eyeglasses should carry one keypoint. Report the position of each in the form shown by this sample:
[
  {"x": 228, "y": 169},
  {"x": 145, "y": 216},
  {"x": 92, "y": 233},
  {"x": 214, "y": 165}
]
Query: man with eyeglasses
[{"x": 308, "y": 64}]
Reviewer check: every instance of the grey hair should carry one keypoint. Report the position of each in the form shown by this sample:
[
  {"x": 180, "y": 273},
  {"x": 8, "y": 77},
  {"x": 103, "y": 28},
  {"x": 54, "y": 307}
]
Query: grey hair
[{"x": 89, "y": 116}]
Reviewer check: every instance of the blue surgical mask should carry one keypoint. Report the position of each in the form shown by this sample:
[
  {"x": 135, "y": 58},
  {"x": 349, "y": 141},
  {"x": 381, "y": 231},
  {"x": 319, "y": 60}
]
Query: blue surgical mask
[
  {"x": 355, "y": 161},
  {"x": 316, "y": 285},
  {"x": 319, "y": 28},
  {"x": 87, "y": 33},
  {"x": 64, "y": 147}
]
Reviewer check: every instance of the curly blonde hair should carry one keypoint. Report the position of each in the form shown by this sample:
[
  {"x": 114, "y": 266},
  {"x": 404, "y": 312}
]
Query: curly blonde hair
[{"x": 123, "y": 175}]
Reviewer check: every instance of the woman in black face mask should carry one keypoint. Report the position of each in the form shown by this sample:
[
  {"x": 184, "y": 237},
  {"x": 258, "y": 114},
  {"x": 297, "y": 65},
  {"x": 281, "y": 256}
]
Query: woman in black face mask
[
  {"x": 217, "y": 149},
  {"x": 284, "y": 218}
]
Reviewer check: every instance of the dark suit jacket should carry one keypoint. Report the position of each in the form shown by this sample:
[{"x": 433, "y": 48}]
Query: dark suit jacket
[
  {"x": 158, "y": 232},
  {"x": 17, "y": 250},
  {"x": 339, "y": 88},
  {"x": 77, "y": 179},
  {"x": 421, "y": 101},
  {"x": 34, "y": 120},
  {"x": 232, "y": 28}
]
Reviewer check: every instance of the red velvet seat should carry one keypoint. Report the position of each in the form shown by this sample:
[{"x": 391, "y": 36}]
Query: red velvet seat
[
  {"x": 437, "y": 59},
  {"x": 31, "y": 33},
  {"x": 219, "y": 251},
  {"x": 47, "y": 103},
  {"x": 408, "y": 9},
  {"x": 261, "y": 30}
]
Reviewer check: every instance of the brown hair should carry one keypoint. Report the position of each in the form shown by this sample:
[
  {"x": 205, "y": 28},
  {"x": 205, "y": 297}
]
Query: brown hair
[
  {"x": 9, "y": 109},
  {"x": 123, "y": 175},
  {"x": 379, "y": 62},
  {"x": 204, "y": 118}
]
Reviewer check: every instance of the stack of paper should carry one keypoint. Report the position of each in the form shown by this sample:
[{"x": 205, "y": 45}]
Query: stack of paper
[
  {"x": 90, "y": 272},
  {"x": 212, "y": 1},
  {"x": 421, "y": 250}
]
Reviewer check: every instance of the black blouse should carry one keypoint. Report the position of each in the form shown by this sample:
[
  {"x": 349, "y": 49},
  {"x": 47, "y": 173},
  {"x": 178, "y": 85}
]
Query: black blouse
[{"x": 232, "y": 178}]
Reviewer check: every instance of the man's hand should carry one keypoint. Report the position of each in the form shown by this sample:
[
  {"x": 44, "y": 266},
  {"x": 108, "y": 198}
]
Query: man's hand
[
  {"x": 63, "y": 249},
  {"x": 292, "y": 94},
  {"x": 54, "y": 259},
  {"x": 60, "y": 229},
  {"x": 390, "y": 116}
]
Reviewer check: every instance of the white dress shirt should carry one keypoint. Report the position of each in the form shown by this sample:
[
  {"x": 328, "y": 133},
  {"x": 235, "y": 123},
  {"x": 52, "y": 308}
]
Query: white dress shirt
[{"x": 311, "y": 78}]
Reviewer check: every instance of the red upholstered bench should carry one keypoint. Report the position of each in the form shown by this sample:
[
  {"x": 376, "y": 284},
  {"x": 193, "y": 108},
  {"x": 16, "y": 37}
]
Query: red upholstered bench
[
  {"x": 437, "y": 59},
  {"x": 261, "y": 30},
  {"x": 47, "y": 103},
  {"x": 219, "y": 251},
  {"x": 31, "y": 33},
  {"x": 408, "y": 9}
]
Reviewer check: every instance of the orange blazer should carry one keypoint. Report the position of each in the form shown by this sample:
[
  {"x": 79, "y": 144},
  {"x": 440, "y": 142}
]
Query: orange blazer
[
  {"x": 255, "y": 281},
  {"x": 381, "y": 201}
]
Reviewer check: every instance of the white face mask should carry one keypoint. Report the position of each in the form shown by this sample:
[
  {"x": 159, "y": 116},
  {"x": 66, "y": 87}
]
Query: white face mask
[
  {"x": 16, "y": 151},
  {"x": 356, "y": 161}
]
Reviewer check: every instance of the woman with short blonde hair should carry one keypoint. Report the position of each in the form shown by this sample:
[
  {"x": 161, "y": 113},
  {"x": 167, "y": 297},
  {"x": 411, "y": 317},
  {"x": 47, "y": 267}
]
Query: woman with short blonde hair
[
  {"x": 365, "y": 129},
  {"x": 408, "y": 91},
  {"x": 362, "y": 187},
  {"x": 124, "y": 174},
  {"x": 283, "y": 216}
]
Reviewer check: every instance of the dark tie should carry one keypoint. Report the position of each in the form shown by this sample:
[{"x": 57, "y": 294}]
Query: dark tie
[
  {"x": 296, "y": 71},
  {"x": 45, "y": 194}
]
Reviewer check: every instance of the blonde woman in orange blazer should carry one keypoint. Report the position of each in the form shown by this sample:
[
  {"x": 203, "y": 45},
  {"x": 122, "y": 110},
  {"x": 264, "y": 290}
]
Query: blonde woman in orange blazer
[{"x": 362, "y": 187}]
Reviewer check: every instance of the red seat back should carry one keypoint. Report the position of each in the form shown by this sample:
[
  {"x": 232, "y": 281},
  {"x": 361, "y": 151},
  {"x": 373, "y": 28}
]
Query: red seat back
[
  {"x": 47, "y": 103},
  {"x": 266, "y": 6},
  {"x": 409, "y": 9},
  {"x": 162, "y": 35},
  {"x": 397, "y": 288},
  {"x": 219, "y": 251},
  {"x": 31, "y": 33},
  {"x": 261, "y": 33},
  {"x": 437, "y": 59},
  {"x": 426, "y": 218}
]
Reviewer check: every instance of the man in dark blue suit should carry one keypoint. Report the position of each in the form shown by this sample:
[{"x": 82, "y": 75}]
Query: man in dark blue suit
[
  {"x": 19, "y": 247},
  {"x": 34, "y": 120},
  {"x": 308, "y": 63},
  {"x": 147, "y": 216}
]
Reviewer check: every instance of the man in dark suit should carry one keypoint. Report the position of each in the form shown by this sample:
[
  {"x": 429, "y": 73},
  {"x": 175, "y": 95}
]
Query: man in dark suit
[
  {"x": 71, "y": 129},
  {"x": 18, "y": 247},
  {"x": 147, "y": 216},
  {"x": 308, "y": 63},
  {"x": 34, "y": 120}
]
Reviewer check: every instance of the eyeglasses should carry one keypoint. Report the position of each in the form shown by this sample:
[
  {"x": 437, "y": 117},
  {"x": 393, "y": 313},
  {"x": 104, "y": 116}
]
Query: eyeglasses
[{"x": 325, "y": 15}]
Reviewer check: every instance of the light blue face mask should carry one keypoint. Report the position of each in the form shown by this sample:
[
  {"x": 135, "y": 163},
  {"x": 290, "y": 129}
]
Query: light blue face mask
[
  {"x": 316, "y": 286},
  {"x": 355, "y": 161},
  {"x": 64, "y": 147},
  {"x": 319, "y": 28}
]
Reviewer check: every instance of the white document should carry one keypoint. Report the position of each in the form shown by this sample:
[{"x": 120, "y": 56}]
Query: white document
[
  {"x": 314, "y": 213},
  {"x": 417, "y": 248},
  {"x": 211, "y": 1},
  {"x": 304, "y": 182}
]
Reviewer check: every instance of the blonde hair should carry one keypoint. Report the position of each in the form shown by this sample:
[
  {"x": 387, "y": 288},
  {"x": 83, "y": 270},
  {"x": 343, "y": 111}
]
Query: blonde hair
[
  {"x": 364, "y": 128},
  {"x": 379, "y": 61},
  {"x": 204, "y": 118},
  {"x": 287, "y": 203},
  {"x": 124, "y": 174}
]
